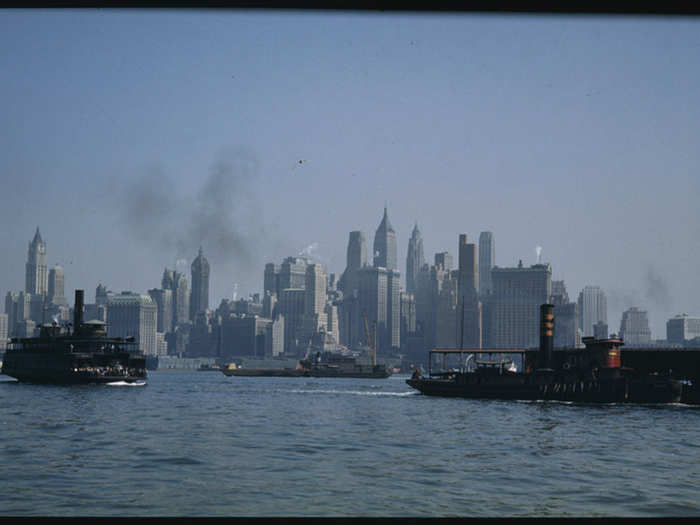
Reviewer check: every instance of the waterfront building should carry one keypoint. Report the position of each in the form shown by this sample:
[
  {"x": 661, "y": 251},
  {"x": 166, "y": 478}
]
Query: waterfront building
[
  {"x": 592, "y": 307},
  {"x": 56, "y": 289},
  {"x": 512, "y": 309},
  {"x": 469, "y": 314},
  {"x": 385, "y": 245},
  {"x": 682, "y": 328},
  {"x": 243, "y": 336},
  {"x": 37, "y": 272},
  {"x": 414, "y": 259},
  {"x": 204, "y": 339},
  {"x": 634, "y": 327},
  {"x": 133, "y": 315},
  {"x": 199, "y": 296},
  {"x": 487, "y": 260}
]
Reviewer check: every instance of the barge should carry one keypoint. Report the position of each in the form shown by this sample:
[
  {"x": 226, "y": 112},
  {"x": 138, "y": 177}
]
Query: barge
[
  {"x": 594, "y": 374},
  {"x": 326, "y": 364}
]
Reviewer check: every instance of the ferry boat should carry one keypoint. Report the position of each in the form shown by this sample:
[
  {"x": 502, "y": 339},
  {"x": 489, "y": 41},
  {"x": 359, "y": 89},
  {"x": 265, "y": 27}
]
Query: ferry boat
[
  {"x": 591, "y": 375},
  {"x": 72, "y": 355}
]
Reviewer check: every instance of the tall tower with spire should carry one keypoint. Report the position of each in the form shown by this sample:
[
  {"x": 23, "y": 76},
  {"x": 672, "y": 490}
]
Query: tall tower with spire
[
  {"x": 199, "y": 297},
  {"x": 37, "y": 271},
  {"x": 385, "y": 245},
  {"x": 414, "y": 259}
]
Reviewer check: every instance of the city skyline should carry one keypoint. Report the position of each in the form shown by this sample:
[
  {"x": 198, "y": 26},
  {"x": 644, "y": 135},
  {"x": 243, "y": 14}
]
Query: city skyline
[{"x": 147, "y": 135}]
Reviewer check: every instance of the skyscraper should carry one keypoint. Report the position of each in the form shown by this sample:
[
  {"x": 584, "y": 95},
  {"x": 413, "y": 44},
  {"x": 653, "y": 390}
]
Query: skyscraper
[
  {"x": 592, "y": 307},
  {"x": 315, "y": 299},
  {"x": 414, "y": 259},
  {"x": 385, "y": 245},
  {"x": 199, "y": 297},
  {"x": 468, "y": 307},
  {"x": 163, "y": 297},
  {"x": 682, "y": 328},
  {"x": 350, "y": 322},
  {"x": 292, "y": 273},
  {"x": 436, "y": 303},
  {"x": 56, "y": 286},
  {"x": 357, "y": 251},
  {"x": 634, "y": 327},
  {"x": 177, "y": 282},
  {"x": 37, "y": 273},
  {"x": 487, "y": 260},
  {"x": 3, "y": 332},
  {"x": 379, "y": 300},
  {"x": 133, "y": 315},
  {"x": 291, "y": 307},
  {"x": 565, "y": 317},
  {"x": 512, "y": 310}
]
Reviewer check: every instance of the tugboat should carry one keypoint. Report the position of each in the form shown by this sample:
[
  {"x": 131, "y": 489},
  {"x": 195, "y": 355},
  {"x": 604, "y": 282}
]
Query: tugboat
[
  {"x": 82, "y": 355},
  {"x": 591, "y": 375}
]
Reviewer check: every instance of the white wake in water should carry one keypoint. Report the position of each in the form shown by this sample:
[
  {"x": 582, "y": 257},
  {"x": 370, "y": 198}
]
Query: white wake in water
[
  {"x": 126, "y": 383},
  {"x": 354, "y": 392}
]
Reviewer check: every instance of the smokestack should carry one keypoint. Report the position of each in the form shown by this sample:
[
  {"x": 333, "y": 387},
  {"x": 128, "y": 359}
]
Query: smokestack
[
  {"x": 78, "y": 311},
  {"x": 546, "y": 335}
]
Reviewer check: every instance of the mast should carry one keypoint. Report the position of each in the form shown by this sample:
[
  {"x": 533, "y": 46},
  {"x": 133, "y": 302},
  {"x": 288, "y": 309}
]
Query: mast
[{"x": 374, "y": 350}]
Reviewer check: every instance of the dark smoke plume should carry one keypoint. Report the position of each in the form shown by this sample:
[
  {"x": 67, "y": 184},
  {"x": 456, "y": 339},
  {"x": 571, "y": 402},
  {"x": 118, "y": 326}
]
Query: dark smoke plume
[
  {"x": 222, "y": 215},
  {"x": 657, "y": 292}
]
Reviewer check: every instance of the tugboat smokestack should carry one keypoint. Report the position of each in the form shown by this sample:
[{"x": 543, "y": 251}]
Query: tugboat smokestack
[
  {"x": 78, "y": 311},
  {"x": 546, "y": 335}
]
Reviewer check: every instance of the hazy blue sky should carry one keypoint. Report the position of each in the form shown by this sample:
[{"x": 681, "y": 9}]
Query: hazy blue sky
[{"x": 132, "y": 137}]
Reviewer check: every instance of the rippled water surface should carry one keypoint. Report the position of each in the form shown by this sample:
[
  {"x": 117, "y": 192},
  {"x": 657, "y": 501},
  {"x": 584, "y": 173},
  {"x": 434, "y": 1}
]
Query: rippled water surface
[{"x": 202, "y": 444}]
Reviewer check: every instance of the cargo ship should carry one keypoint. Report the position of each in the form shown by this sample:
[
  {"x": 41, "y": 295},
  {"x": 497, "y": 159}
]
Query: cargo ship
[
  {"x": 594, "y": 374},
  {"x": 323, "y": 364},
  {"x": 77, "y": 354}
]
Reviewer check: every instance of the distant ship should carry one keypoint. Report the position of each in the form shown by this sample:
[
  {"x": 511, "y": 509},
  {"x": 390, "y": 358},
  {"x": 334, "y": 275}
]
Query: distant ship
[
  {"x": 323, "y": 364},
  {"x": 82, "y": 355}
]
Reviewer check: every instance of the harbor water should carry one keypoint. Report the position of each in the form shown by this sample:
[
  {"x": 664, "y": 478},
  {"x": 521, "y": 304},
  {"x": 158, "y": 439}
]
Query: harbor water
[{"x": 192, "y": 443}]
